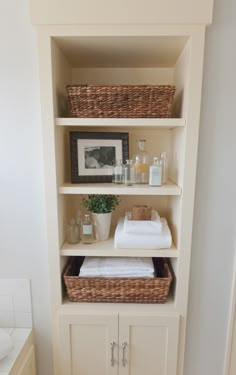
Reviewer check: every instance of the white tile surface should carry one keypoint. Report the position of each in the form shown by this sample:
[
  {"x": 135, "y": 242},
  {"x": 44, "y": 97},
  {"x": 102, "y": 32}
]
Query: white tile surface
[
  {"x": 23, "y": 320},
  {"x": 9, "y": 330},
  {"x": 20, "y": 334},
  {"x": 6, "y": 303},
  {"x": 9, "y": 286},
  {"x": 21, "y": 298},
  {"x": 7, "y": 319},
  {"x": 15, "y": 303}
]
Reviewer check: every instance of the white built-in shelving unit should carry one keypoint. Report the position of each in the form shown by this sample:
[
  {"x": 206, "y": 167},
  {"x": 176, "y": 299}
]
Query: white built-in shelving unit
[{"x": 131, "y": 54}]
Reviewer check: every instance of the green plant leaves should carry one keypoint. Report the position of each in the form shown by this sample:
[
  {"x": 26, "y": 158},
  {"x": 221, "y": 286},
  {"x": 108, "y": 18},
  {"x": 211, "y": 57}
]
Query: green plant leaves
[{"x": 101, "y": 204}]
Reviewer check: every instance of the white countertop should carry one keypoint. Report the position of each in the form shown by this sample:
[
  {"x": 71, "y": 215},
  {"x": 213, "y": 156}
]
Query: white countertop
[{"x": 19, "y": 337}]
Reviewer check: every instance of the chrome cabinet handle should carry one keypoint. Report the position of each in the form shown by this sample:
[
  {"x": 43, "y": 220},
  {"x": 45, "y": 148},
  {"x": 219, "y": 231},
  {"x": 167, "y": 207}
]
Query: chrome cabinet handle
[
  {"x": 113, "y": 344},
  {"x": 124, "y": 345}
]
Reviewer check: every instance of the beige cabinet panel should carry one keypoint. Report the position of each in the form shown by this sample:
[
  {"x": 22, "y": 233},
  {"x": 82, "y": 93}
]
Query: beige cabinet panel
[
  {"x": 142, "y": 344},
  {"x": 89, "y": 344},
  {"x": 28, "y": 364},
  {"x": 231, "y": 340},
  {"x": 233, "y": 352},
  {"x": 121, "y": 12},
  {"x": 148, "y": 345}
]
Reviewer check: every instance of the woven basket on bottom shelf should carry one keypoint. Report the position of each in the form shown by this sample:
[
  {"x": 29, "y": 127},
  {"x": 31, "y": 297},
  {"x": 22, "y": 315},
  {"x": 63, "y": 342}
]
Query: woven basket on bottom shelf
[
  {"x": 122, "y": 101},
  {"x": 102, "y": 289}
]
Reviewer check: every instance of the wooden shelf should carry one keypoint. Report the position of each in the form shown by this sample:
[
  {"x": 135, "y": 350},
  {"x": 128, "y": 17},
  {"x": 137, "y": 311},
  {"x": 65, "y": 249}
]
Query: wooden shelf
[
  {"x": 110, "y": 188},
  {"x": 166, "y": 123},
  {"x": 70, "y": 307},
  {"x": 106, "y": 248}
]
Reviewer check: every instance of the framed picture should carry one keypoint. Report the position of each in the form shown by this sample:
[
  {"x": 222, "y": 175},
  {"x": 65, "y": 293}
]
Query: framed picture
[{"x": 93, "y": 155}]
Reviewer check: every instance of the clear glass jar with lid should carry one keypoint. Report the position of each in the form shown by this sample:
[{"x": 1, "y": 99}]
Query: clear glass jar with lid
[{"x": 141, "y": 163}]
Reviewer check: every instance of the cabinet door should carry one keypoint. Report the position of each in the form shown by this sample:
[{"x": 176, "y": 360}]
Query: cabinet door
[
  {"x": 89, "y": 344},
  {"x": 28, "y": 364},
  {"x": 148, "y": 344}
]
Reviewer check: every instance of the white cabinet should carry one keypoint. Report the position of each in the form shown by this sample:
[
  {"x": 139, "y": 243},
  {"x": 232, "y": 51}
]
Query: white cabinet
[
  {"x": 151, "y": 344},
  {"x": 136, "y": 54},
  {"x": 86, "y": 344},
  {"x": 119, "y": 343}
]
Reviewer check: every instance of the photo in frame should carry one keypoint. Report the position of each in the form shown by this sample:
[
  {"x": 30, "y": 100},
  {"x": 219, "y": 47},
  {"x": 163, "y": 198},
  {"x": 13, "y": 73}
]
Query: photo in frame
[{"x": 93, "y": 155}]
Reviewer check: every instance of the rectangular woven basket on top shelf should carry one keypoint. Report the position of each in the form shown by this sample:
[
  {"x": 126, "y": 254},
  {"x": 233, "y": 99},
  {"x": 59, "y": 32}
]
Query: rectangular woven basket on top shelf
[
  {"x": 116, "y": 289},
  {"x": 122, "y": 101}
]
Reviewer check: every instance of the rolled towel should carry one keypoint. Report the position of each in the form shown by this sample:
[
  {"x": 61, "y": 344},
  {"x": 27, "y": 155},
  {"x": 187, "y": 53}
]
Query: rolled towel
[
  {"x": 124, "y": 240},
  {"x": 117, "y": 267},
  {"x": 153, "y": 226},
  {"x": 6, "y": 344}
]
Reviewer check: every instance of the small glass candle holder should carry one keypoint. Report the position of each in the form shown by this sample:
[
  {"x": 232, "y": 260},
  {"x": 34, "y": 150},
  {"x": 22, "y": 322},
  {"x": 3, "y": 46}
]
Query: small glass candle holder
[
  {"x": 73, "y": 232},
  {"x": 129, "y": 173},
  {"x": 118, "y": 176}
]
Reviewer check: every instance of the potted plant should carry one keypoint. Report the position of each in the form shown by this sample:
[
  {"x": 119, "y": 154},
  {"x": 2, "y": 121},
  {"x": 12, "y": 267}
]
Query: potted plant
[{"x": 101, "y": 207}]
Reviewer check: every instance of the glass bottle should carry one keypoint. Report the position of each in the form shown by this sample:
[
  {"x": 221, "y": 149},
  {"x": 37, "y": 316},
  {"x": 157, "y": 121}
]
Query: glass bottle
[
  {"x": 155, "y": 173},
  {"x": 87, "y": 230},
  {"x": 141, "y": 165},
  {"x": 164, "y": 165},
  {"x": 72, "y": 232},
  {"x": 129, "y": 176},
  {"x": 79, "y": 217},
  {"x": 117, "y": 177}
]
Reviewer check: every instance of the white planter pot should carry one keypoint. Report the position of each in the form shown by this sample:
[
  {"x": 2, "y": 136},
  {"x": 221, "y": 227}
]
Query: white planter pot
[{"x": 102, "y": 223}]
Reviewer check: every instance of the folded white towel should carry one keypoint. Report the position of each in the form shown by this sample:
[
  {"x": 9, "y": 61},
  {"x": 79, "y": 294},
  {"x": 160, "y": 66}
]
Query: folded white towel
[
  {"x": 117, "y": 267},
  {"x": 6, "y": 344},
  {"x": 153, "y": 226},
  {"x": 124, "y": 240}
]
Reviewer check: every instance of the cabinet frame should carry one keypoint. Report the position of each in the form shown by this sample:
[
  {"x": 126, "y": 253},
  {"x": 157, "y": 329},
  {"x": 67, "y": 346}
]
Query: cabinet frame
[
  {"x": 119, "y": 327},
  {"x": 196, "y": 35}
]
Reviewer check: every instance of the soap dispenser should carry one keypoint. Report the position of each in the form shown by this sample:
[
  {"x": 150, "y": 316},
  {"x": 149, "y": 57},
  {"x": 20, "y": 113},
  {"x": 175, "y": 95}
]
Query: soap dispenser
[{"x": 155, "y": 173}]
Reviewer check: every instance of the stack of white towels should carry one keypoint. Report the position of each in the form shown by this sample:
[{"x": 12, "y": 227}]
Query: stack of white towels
[
  {"x": 150, "y": 234},
  {"x": 117, "y": 267}
]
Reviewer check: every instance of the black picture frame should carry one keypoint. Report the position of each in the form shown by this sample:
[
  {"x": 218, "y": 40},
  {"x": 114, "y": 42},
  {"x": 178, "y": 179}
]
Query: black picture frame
[{"x": 94, "y": 153}]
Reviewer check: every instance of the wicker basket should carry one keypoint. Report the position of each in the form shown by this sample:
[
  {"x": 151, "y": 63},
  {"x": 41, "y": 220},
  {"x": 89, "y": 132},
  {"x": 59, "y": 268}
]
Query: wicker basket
[
  {"x": 124, "y": 101},
  {"x": 136, "y": 290}
]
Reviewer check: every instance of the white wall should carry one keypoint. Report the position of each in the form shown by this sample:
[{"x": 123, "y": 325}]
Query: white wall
[
  {"x": 215, "y": 201},
  {"x": 22, "y": 224},
  {"x": 22, "y": 221}
]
